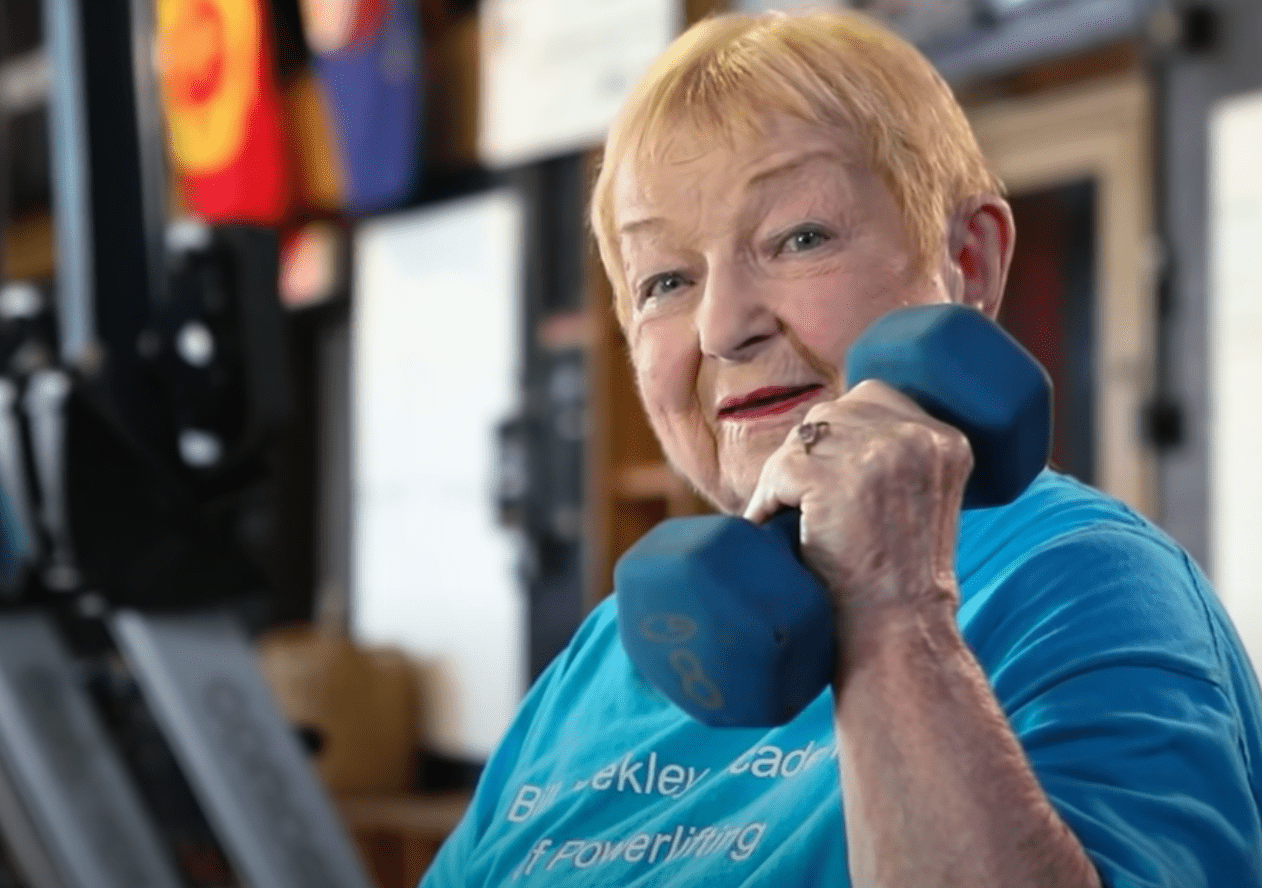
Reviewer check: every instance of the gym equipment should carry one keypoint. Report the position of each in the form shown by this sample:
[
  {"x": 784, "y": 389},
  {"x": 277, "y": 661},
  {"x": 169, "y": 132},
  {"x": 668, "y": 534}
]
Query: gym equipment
[
  {"x": 69, "y": 811},
  {"x": 70, "y": 815},
  {"x": 126, "y": 549},
  {"x": 16, "y": 530},
  {"x": 722, "y": 617},
  {"x": 245, "y": 765}
]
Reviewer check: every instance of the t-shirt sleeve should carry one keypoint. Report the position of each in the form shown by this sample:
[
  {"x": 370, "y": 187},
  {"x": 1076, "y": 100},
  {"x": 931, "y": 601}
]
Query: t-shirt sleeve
[
  {"x": 451, "y": 864},
  {"x": 1110, "y": 658}
]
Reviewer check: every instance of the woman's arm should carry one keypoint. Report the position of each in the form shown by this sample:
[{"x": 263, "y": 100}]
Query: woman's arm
[{"x": 937, "y": 789}]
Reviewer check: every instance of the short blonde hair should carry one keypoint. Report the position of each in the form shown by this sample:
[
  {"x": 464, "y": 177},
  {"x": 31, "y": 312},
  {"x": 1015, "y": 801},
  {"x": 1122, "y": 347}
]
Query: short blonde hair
[{"x": 837, "y": 69}]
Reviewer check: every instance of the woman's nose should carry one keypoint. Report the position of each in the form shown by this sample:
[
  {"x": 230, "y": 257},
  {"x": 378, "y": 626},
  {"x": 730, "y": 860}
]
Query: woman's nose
[{"x": 734, "y": 317}]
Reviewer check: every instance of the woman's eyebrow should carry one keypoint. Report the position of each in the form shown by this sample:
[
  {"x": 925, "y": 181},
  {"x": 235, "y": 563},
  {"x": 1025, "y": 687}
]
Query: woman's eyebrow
[
  {"x": 638, "y": 225},
  {"x": 791, "y": 167}
]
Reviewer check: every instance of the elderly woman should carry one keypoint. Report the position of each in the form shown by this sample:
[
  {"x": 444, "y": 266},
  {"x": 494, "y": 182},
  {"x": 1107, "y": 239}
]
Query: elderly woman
[{"x": 1043, "y": 694}]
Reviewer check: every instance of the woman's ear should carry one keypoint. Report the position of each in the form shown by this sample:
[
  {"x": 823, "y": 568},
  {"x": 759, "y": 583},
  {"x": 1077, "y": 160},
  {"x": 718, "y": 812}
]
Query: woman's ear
[{"x": 980, "y": 240}]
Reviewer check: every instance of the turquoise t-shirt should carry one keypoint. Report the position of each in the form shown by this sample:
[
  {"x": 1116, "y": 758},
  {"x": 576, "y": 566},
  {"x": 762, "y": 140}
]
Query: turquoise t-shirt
[{"x": 1110, "y": 655}]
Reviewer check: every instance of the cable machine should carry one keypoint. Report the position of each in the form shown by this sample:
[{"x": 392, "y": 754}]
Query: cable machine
[{"x": 136, "y": 398}]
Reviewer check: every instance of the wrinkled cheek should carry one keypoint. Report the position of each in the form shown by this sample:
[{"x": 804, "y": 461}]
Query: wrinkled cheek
[{"x": 667, "y": 383}]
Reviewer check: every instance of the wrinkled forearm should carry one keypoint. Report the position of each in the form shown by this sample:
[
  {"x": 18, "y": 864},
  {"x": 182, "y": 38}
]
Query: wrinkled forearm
[{"x": 937, "y": 790}]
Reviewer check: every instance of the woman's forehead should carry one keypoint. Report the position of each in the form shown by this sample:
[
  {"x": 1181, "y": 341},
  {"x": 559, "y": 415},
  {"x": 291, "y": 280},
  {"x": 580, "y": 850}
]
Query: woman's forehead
[{"x": 689, "y": 161}]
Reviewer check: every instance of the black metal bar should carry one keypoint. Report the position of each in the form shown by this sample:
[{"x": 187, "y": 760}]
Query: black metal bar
[
  {"x": 1163, "y": 414},
  {"x": 151, "y": 139},
  {"x": 108, "y": 201},
  {"x": 118, "y": 223},
  {"x": 1172, "y": 33}
]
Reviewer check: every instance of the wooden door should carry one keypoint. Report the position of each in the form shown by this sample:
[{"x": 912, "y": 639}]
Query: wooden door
[{"x": 1076, "y": 166}]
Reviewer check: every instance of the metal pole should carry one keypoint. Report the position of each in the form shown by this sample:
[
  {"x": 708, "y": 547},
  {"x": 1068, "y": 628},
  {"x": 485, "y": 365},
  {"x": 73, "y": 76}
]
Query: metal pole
[
  {"x": 151, "y": 135},
  {"x": 71, "y": 186}
]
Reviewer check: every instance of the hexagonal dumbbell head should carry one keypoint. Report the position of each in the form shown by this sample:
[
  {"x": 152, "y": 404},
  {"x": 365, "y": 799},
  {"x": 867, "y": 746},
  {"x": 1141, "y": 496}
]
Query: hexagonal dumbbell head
[
  {"x": 965, "y": 370},
  {"x": 721, "y": 617}
]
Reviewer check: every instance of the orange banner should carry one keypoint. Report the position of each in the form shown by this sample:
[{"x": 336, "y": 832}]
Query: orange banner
[{"x": 223, "y": 113}]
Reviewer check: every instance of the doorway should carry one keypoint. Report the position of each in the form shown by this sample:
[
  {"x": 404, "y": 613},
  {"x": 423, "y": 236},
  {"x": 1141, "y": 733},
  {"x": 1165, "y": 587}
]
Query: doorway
[
  {"x": 1075, "y": 163},
  {"x": 1049, "y": 306}
]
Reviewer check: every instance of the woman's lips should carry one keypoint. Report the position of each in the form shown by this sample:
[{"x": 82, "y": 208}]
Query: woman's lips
[{"x": 768, "y": 401}]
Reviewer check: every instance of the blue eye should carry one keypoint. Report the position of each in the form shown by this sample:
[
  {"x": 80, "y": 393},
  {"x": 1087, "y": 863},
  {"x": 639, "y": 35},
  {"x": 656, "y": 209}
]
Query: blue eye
[
  {"x": 661, "y": 284},
  {"x": 804, "y": 239}
]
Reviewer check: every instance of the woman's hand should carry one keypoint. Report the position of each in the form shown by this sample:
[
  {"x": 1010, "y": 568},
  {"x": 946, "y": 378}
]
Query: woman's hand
[
  {"x": 880, "y": 491},
  {"x": 937, "y": 789}
]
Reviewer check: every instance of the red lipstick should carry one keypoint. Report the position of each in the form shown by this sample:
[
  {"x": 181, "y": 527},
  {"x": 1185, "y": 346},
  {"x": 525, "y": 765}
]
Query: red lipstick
[{"x": 767, "y": 401}]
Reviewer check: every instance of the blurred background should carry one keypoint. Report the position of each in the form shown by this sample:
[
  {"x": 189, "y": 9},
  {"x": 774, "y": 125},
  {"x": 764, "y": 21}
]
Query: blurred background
[{"x": 341, "y": 359}]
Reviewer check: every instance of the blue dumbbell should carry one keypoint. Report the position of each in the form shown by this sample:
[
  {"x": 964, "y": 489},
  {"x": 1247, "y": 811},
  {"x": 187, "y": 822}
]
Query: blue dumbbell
[{"x": 722, "y": 617}]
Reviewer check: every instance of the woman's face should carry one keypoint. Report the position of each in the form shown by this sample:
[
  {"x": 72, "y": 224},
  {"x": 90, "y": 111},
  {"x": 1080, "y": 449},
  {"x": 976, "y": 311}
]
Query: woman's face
[{"x": 751, "y": 268}]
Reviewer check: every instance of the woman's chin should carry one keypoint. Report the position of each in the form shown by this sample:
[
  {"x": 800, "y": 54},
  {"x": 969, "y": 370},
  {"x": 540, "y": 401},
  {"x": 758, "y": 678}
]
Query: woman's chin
[
  {"x": 718, "y": 490},
  {"x": 740, "y": 468},
  {"x": 736, "y": 492},
  {"x": 729, "y": 483}
]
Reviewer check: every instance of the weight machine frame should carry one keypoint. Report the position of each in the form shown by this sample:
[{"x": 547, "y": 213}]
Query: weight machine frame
[{"x": 70, "y": 813}]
